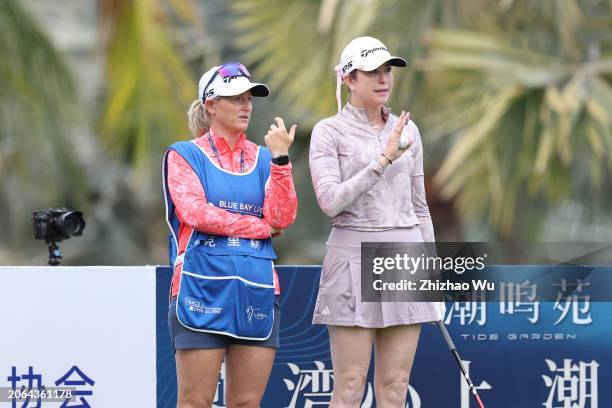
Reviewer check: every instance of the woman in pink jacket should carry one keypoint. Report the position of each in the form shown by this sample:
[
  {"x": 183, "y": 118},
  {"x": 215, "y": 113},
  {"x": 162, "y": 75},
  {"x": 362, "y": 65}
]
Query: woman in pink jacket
[{"x": 225, "y": 198}]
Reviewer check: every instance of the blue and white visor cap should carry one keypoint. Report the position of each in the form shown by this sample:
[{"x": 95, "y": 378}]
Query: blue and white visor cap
[{"x": 366, "y": 54}]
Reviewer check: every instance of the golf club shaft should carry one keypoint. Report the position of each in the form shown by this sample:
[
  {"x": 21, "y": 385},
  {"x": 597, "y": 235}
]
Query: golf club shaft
[{"x": 453, "y": 350}]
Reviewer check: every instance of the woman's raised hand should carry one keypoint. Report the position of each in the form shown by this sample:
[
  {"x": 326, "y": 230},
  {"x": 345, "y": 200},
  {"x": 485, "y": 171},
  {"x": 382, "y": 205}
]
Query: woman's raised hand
[
  {"x": 393, "y": 151},
  {"x": 278, "y": 140}
]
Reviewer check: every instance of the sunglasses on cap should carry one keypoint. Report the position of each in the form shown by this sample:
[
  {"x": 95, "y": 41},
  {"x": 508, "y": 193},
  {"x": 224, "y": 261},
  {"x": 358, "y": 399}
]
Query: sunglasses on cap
[{"x": 228, "y": 70}]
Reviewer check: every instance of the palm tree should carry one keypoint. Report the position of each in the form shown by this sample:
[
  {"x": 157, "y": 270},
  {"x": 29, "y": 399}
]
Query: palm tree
[
  {"x": 148, "y": 45},
  {"x": 37, "y": 104},
  {"x": 529, "y": 111},
  {"x": 520, "y": 89},
  {"x": 296, "y": 44},
  {"x": 149, "y": 86}
]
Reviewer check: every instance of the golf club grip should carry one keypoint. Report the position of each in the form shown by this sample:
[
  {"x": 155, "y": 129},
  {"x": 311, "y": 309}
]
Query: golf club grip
[{"x": 447, "y": 337}]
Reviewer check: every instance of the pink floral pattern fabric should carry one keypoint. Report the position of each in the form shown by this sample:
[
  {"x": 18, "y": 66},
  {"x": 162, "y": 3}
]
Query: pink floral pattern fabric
[{"x": 194, "y": 211}]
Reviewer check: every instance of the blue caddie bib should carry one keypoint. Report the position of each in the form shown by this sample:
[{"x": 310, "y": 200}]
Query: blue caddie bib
[{"x": 226, "y": 284}]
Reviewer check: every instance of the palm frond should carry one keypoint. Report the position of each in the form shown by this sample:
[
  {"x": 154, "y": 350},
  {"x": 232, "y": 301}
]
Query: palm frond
[
  {"x": 295, "y": 45},
  {"x": 37, "y": 107},
  {"x": 563, "y": 106},
  {"x": 149, "y": 86}
]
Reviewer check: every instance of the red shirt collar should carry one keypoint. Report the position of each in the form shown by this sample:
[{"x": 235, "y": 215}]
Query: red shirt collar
[{"x": 222, "y": 145}]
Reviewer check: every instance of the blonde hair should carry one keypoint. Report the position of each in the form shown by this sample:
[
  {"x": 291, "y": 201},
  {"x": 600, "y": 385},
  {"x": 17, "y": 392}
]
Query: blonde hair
[{"x": 199, "y": 120}]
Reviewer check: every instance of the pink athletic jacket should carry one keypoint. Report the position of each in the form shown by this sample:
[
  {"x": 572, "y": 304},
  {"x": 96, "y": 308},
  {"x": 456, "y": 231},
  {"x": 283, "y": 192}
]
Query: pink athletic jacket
[{"x": 193, "y": 210}]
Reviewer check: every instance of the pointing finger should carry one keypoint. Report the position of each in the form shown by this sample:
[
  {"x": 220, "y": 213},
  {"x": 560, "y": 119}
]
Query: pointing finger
[
  {"x": 280, "y": 122},
  {"x": 292, "y": 131}
]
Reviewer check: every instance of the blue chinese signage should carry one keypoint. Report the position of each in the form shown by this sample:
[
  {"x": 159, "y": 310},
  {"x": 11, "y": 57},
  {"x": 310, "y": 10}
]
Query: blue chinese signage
[{"x": 519, "y": 352}]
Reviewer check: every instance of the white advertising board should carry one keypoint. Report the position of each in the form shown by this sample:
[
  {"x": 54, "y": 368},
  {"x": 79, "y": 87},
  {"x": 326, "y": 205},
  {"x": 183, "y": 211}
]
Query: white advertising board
[{"x": 91, "y": 329}]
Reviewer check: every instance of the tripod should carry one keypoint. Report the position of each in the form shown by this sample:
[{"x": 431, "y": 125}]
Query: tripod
[{"x": 55, "y": 255}]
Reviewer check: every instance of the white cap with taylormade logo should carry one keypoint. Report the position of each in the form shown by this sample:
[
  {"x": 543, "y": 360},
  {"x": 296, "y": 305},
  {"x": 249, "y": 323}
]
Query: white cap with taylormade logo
[
  {"x": 366, "y": 54},
  {"x": 230, "y": 86}
]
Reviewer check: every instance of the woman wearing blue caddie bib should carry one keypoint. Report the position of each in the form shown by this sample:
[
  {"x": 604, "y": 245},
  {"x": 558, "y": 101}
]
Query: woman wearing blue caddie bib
[{"x": 225, "y": 198}]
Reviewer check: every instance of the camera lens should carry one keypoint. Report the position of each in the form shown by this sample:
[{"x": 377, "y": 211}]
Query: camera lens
[{"x": 72, "y": 223}]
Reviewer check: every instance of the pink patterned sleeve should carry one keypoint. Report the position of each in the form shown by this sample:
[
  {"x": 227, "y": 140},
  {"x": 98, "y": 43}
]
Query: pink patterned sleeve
[
  {"x": 193, "y": 209},
  {"x": 280, "y": 203}
]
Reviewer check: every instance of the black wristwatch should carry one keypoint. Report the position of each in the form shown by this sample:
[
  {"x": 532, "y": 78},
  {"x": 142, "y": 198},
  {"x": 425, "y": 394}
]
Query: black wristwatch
[{"x": 281, "y": 160}]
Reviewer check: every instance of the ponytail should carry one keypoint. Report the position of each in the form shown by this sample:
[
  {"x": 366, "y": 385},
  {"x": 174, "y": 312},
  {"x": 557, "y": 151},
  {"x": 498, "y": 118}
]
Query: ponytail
[{"x": 199, "y": 120}]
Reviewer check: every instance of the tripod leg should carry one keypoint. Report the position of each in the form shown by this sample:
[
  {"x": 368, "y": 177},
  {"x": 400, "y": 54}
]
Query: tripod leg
[{"x": 55, "y": 255}]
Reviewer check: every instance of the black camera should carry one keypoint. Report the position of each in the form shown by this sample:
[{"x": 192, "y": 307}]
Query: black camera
[{"x": 55, "y": 225}]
